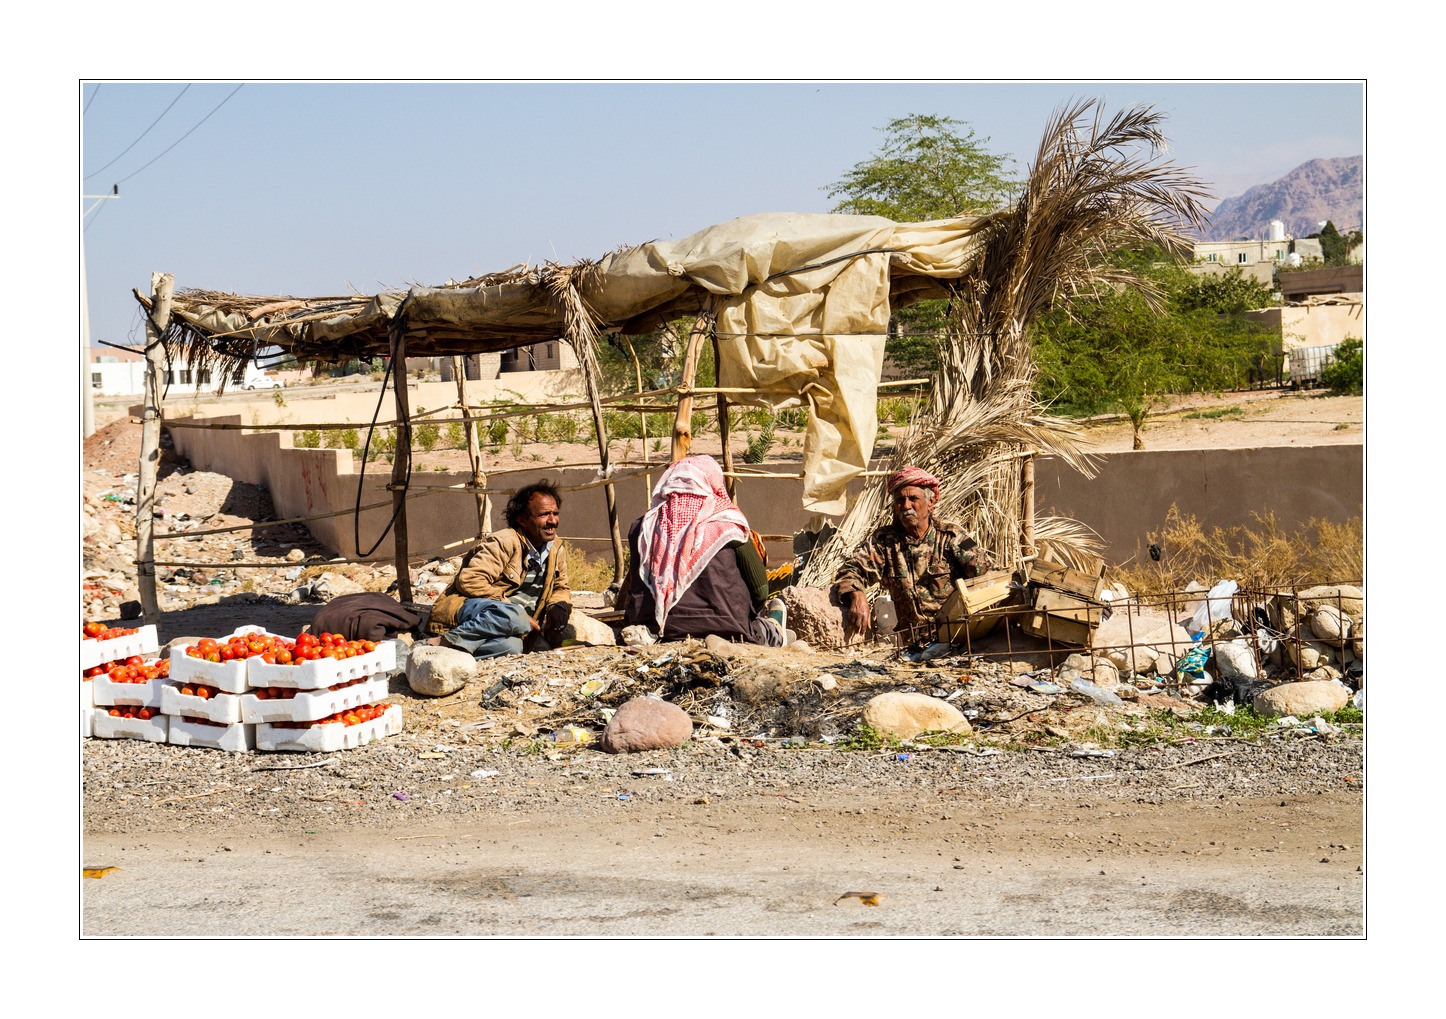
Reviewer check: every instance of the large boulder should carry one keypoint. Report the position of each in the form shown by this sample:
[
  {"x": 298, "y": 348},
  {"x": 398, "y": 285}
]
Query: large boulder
[
  {"x": 584, "y": 629},
  {"x": 907, "y": 714},
  {"x": 434, "y": 671},
  {"x": 645, "y": 723},
  {"x": 1302, "y": 699},
  {"x": 813, "y": 616}
]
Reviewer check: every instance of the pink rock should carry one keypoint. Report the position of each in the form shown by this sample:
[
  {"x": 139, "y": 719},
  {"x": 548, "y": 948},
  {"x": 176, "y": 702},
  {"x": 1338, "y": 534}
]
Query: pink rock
[
  {"x": 813, "y": 616},
  {"x": 646, "y": 723}
]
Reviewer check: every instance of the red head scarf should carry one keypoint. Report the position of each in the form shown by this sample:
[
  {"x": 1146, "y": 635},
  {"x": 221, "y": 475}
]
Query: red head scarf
[
  {"x": 688, "y": 521},
  {"x": 913, "y": 477}
]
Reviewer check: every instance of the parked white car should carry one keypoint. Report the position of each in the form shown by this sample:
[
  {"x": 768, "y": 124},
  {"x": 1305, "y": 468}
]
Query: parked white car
[{"x": 260, "y": 380}]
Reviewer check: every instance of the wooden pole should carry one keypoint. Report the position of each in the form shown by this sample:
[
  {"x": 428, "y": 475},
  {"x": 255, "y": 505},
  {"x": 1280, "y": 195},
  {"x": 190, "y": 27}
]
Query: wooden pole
[
  {"x": 474, "y": 449},
  {"x": 604, "y": 470},
  {"x": 159, "y": 319},
  {"x": 404, "y": 457},
  {"x": 683, "y": 422},
  {"x": 723, "y": 433},
  {"x": 1027, "y": 504}
]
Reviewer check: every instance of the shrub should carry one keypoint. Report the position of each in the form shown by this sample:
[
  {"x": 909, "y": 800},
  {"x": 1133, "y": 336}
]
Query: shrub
[
  {"x": 1346, "y": 373},
  {"x": 427, "y": 433},
  {"x": 309, "y": 438},
  {"x": 758, "y": 446},
  {"x": 456, "y": 435}
]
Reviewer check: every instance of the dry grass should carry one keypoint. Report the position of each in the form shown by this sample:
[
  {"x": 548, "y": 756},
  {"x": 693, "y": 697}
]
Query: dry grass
[
  {"x": 587, "y": 574},
  {"x": 1262, "y": 557}
]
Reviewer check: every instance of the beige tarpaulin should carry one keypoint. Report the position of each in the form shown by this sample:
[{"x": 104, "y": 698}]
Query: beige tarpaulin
[
  {"x": 803, "y": 313},
  {"x": 802, "y": 302}
]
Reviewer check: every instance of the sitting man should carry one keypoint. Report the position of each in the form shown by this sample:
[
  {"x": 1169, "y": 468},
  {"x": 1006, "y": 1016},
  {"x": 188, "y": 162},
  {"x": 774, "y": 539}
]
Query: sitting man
[
  {"x": 697, "y": 569},
  {"x": 511, "y": 593},
  {"x": 915, "y": 560}
]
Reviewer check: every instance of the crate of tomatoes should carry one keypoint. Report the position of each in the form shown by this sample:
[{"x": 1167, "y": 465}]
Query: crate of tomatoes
[
  {"x": 222, "y": 664},
  {"x": 287, "y": 704},
  {"x": 196, "y": 731},
  {"x": 322, "y": 661},
  {"x": 101, "y": 643},
  {"x": 134, "y": 681},
  {"x": 197, "y": 700},
  {"x": 342, "y": 731}
]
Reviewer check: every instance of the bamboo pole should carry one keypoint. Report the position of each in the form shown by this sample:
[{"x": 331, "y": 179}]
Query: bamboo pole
[
  {"x": 162, "y": 287},
  {"x": 683, "y": 422},
  {"x": 399, "y": 464},
  {"x": 474, "y": 449},
  {"x": 723, "y": 433}
]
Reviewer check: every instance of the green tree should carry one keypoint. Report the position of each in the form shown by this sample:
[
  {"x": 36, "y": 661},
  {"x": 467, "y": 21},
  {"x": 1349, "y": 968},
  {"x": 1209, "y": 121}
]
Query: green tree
[
  {"x": 926, "y": 170},
  {"x": 1346, "y": 373},
  {"x": 929, "y": 167},
  {"x": 1225, "y": 293},
  {"x": 1336, "y": 247}
]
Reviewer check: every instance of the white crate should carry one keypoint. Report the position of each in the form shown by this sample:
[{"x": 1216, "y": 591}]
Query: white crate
[
  {"x": 324, "y": 672},
  {"x": 106, "y": 726},
  {"x": 142, "y": 642},
  {"x": 221, "y": 707},
  {"x": 323, "y": 739},
  {"x": 309, "y": 705},
  {"x": 87, "y": 708},
  {"x": 228, "y": 677},
  {"x": 108, "y": 692},
  {"x": 238, "y": 738}
]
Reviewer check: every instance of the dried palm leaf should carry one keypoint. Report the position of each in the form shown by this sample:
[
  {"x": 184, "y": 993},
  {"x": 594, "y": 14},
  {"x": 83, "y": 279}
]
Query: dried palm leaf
[{"x": 1095, "y": 185}]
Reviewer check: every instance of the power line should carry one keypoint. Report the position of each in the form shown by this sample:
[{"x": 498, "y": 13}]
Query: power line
[
  {"x": 90, "y": 100},
  {"x": 143, "y": 133},
  {"x": 183, "y": 137}
]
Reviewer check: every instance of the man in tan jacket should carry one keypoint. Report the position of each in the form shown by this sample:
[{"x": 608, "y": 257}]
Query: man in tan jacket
[{"x": 511, "y": 594}]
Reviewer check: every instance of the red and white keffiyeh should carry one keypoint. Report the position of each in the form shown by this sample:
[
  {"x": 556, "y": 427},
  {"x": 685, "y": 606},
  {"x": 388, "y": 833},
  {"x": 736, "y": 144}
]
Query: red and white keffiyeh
[{"x": 689, "y": 519}]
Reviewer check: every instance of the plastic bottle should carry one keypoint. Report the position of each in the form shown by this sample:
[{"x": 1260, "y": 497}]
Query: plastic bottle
[
  {"x": 886, "y": 619},
  {"x": 570, "y": 734}
]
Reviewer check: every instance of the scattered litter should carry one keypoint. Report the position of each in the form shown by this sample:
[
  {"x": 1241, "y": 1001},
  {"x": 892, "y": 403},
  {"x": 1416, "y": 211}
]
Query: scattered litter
[
  {"x": 624, "y": 797},
  {"x": 654, "y": 773},
  {"x": 401, "y": 796},
  {"x": 865, "y": 898},
  {"x": 718, "y": 722},
  {"x": 954, "y": 696},
  {"x": 1045, "y": 686},
  {"x": 1097, "y": 694},
  {"x": 903, "y": 757},
  {"x": 592, "y": 688},
  {"x": 430, "y": 755},
  {"x": 484, "y": 773},
  {"x": 1092, "y": 752}
]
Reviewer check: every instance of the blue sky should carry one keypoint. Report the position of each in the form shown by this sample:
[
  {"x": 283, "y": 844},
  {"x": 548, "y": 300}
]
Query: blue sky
[{"x": 328, "y": 188}]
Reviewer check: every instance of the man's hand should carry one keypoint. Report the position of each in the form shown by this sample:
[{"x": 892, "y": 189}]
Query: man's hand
[
  {"x": 557, "y": 617},
  {"x": 856, "y": 618}
]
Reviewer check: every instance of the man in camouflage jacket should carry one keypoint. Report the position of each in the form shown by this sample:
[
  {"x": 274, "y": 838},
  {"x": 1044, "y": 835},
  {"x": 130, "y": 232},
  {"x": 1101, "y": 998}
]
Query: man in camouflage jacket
[{"x": 915, "y": 560}]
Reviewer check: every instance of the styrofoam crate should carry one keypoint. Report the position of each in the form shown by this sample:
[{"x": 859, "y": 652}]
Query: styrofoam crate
[
  {"x": 309, "y": 705},
  {"x": 142, "y": 642},
  {"x": 228, "y": 677},
  {"x": 87, "y": 694},
  {"x": 221, "y": 707},
  {"x": 109, "y": 692},
  {"x": 107, "y": 726},
  {"x": 238, "y": 737},
  {"x": 325, "y": 672},
  {"x": 324, "y": 739}
]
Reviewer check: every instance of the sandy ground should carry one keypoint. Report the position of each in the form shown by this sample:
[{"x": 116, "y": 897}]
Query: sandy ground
[{"x": 743, "y": 841}]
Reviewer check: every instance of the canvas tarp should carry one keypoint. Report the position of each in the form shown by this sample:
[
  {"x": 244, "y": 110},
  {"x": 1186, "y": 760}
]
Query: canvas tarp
[{"x": 802, "y": 303}]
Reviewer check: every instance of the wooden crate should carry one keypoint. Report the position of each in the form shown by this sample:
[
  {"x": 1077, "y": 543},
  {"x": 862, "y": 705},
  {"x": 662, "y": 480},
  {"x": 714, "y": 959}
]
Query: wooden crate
[
  {"x": 1044, "y": 573},
  {"x": 974, "y": 608},
  {"x": 1057, "y": 629},
  {"x": 1067, "y": 604}
]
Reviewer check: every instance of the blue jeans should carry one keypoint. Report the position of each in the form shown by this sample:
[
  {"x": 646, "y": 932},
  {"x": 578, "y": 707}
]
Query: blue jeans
[{"x": 487, "y": 628}]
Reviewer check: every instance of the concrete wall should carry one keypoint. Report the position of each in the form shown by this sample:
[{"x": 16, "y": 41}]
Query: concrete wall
[
  {"x": 1320, "y": 325},
  {"x": 1220, "y": 487},
  {"x": 1129, "y": 498}
]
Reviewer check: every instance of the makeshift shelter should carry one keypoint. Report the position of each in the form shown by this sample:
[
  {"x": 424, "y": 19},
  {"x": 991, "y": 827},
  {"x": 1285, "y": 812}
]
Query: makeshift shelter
[
  {"x": 797, "y": 307},
  {"x": 797, "y": 304}
]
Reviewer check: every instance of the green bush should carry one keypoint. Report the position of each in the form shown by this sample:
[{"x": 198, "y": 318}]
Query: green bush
[
  {"x": 456, "y": 435},
  {"x": 759, "y": 445},
  {"x": 1346, "y": 373},
  {"x": 310, "y": 438},
  {"x": 427, "y": 433},
  {"x": 350, "y": 438}
]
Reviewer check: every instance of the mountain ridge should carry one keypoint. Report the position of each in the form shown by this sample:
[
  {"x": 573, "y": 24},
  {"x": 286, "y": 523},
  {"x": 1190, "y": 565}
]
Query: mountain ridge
[{"x": 1317, "y": 190}]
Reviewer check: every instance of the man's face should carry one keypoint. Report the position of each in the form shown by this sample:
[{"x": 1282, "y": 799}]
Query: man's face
[
  {"x": 539, "y": 522},
  {"x": 912, "y": 508}
]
